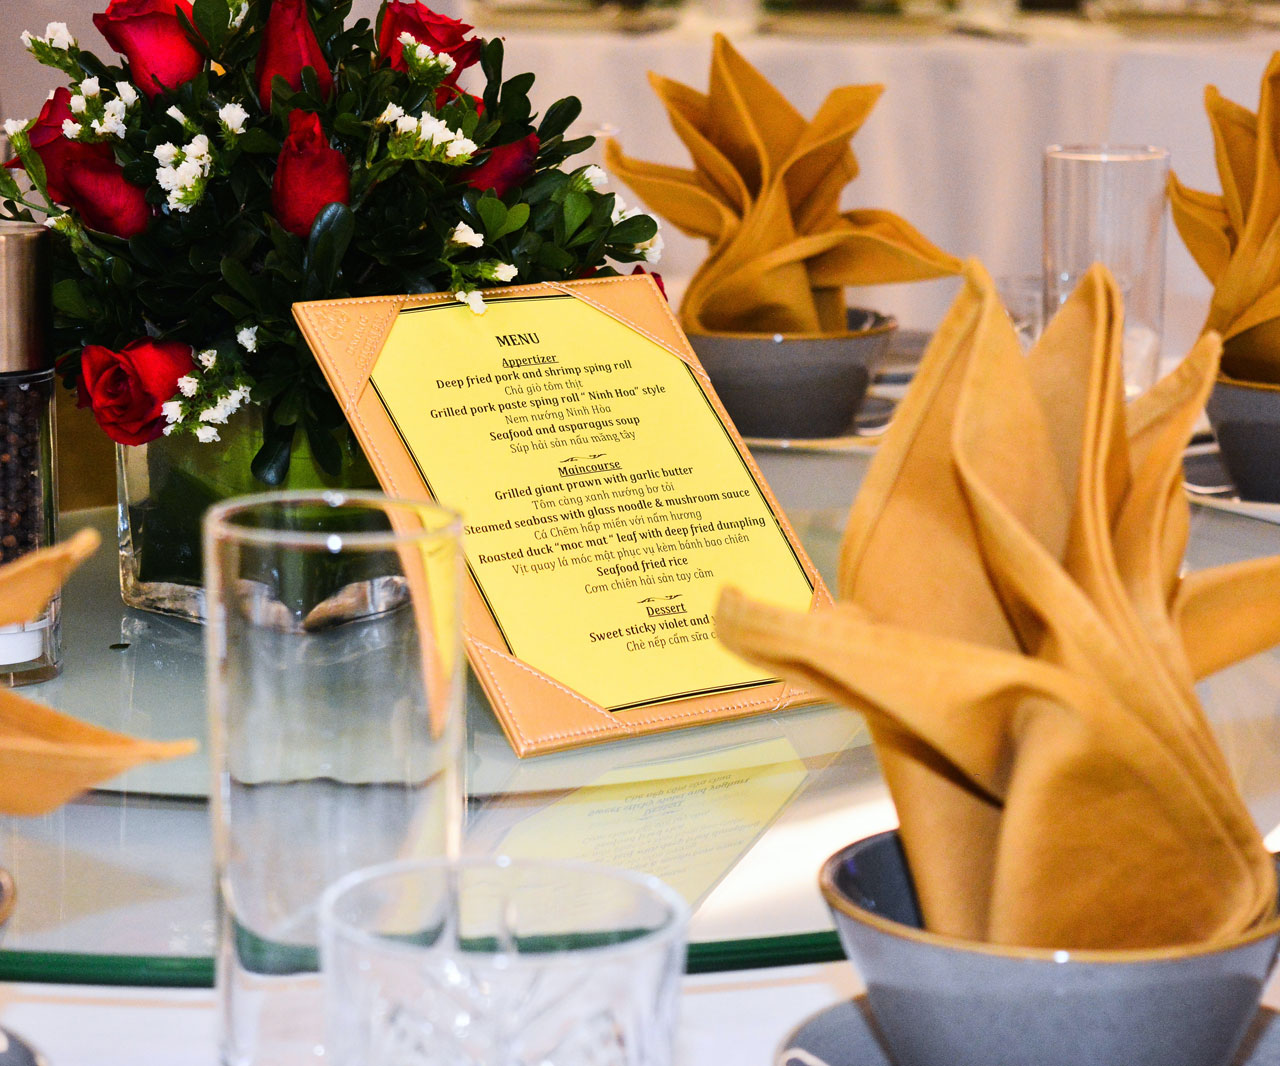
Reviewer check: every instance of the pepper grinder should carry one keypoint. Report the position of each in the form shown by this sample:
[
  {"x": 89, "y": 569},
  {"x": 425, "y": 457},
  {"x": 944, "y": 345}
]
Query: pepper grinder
[{"x": 30, "y": 651}]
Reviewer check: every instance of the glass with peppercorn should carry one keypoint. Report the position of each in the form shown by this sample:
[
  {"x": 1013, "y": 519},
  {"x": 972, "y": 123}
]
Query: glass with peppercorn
[{"x": 28, "y": 493}]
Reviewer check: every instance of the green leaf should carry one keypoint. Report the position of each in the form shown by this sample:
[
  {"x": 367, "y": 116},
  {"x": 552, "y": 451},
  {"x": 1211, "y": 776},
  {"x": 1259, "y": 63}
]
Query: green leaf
[
  {"x": 235, "y": 275},
  {"x": 493, "y": 213},
  {"x": 634, "y": 230},
  {"x": 258, "y": 141},
  {"x": 289, "y": 409},
  {"x": 516, "y": 217},
  {"x": 271, "y": 464},
  {"x": 68, "y": 299},
  {"x": 577, "y": 209},
  {"x": 348, "y": 125},
  {"x": 213, "y": 20},
  {"x": 331, "y": 235},
  {"x": 559, "y": 117},
  {"x": 8, "y": 185},
  {"x": 555, "y": 258},
  {"x": 325, "y": 448},
  {"x": 32, "y": 164},
  {"x": 491, "y": 64}
]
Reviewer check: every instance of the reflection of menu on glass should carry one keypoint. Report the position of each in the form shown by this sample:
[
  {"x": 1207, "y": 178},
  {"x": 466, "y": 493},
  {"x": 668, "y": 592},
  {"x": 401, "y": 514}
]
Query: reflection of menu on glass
[{"x": 605, "y": 503}]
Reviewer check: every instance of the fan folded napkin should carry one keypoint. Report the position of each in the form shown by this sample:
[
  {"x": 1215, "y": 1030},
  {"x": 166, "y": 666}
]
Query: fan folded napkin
[
  {"x": 1235, "y": 237},
  {"x": 1014, "y": 625},
  {"x": 765, "y": 193},
  {"x": 47, "y": 758}
]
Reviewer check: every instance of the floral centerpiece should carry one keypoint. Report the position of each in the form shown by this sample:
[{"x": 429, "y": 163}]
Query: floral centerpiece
[{"x": 247, "y": 155}]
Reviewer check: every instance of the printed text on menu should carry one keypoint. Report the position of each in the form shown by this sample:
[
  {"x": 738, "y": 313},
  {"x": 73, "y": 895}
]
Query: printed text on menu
[{"x": 605, "y": 504}]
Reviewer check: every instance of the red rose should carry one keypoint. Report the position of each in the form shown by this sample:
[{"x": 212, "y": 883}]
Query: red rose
[
  {"x": 289, "y": 44},
  {"x": 310, "y": 175},
  {"x": 507, "y": 166},
  {"x": 86, "y": 177},
  {"x": 125, "y": 389},
  {"x": 148, "y": 34},
  {"x": 438, "y": 32}
]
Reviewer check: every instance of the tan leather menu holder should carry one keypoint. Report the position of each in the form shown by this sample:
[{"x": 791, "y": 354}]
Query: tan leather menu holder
[{"x": 558, "y": 450}]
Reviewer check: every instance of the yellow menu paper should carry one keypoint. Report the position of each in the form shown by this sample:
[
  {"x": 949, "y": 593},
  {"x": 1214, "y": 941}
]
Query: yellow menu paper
[{"x": 606, "y": 498}]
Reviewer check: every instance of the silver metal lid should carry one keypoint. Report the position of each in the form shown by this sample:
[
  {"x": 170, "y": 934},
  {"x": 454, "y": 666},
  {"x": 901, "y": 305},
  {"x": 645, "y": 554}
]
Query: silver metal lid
[{"x": 24, "y": 297}]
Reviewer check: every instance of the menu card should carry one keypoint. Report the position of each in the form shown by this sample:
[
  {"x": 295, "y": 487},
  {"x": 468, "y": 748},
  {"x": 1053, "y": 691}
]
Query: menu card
[{"x": 606, "y": 497}]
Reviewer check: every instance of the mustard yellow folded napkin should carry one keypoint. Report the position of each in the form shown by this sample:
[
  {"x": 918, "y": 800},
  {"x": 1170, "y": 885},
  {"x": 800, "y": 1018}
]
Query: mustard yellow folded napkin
[
  {"x": 1014, "y": 626},
  {"x": 47, "y": 758},
  {"x": 765, "y": 192},
  {"x": 1235, "y": 237}
]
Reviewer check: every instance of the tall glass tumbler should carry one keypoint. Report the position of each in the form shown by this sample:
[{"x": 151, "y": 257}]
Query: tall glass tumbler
[
  {"x": 1106, "y": 204},
  {"x": 502, "y": 962},
  {"x": 335, "y": 683}
]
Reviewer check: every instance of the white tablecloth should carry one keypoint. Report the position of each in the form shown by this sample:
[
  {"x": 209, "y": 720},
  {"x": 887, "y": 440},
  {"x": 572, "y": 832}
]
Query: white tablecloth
[{"x": 954, "y": 144}]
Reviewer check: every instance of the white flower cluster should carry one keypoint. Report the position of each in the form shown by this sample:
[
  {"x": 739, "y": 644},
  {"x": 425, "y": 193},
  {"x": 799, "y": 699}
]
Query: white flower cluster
[
  {"x": 472, "y": 298},
  {"x": 465, "y": 237},
  {"x": 56, "y": 35},
  {"x": 184, "y": 172},
  {"x": 650, "y": 250},
  {"x": 233, "y": 117},
  {"x": 424, "y": 64},
  {"x": 205, "y": 398},
  {"x": 425, "y": 137},
  {"x": 589, "y": 177},
  {"x": 97, "y": 116}
]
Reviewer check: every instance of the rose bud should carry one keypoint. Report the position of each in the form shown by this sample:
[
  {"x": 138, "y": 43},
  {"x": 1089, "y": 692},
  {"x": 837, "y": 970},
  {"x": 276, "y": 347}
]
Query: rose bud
[
  {"x": 155, "y": 44},
  {"x": 288, "y": 45},
  {"x": 507, "y": 166},
  {"x": 438, "y": 32},
  {"x": 85, "y": 177},
  {"x": 125, "y": 389},
  {"x": 310, "y": 175}
]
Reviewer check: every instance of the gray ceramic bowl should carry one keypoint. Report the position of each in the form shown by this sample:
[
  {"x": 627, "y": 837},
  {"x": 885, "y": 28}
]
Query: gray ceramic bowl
[
  {"x": 1246, "y": 421},
  {"x": 793, "y": 385},
  {"x": 940, "y": 1001}
]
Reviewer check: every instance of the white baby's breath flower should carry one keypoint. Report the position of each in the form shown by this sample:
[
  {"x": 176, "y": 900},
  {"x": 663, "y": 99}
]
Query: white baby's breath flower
[
  {"x": 172, "y": 411},
  {"x": 247, "y": 338},
  {"x": 70, "y": 130},
  {"x": 446, "y": 62},
  {"x": 459, "y": 147},
  {"x": 90, "y": 87},
  {"x": 188, "y": 172},
  {"x": 27, "y": 39},
  {"x": 214, "y": 414},
  {"x": 464, "y": 235},
  {"x": 233, "y": 116},
  {"x": 595, "y": 176},
  {"x": 207, "y": 358},
  {"x": 504, "y": 272},
  {"x": 77, "y": 104},
  {"x": 423, "y": 52},
  {"x": 407, "y": 39},
  {"x": 187, "y": 385},
  {"x": 207, "y": 434},
  {"x": 472, "y": 299},
  {"x": 57, "y": 35},
  {"x": 620, "y": 209},
  {"x": 13, "y": 125},
  {"x": 127, "y": 93},
  {"x": 406, "y": 124},
  {"x": 240, "y": 394},
  {"x": 165, "y": 153},
  {"x": 652, "y": 248},
  {"x": 176, "y": 114},
  {"x": 170, "y": 428},
  {"x": 432, "y": 130},
  {"x": 112, "y": 119},
  {"x": 167, "y": 178},
  {"x": 197, "y": 149},
  {"x": 237, "y": 17},
  {"x": 391, "y": 114}
]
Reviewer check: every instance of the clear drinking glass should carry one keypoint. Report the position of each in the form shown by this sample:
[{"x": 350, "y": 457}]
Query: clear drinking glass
[
  {"x": 1106, "y": 204},
  {"x": 335, "y": 680},
  {"x": 502, "y": 962},
  {"x": 1023, "y": 299}
]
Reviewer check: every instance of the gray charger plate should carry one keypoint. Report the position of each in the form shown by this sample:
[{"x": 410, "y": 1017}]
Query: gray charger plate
[{"x": 844, "y": 1035}]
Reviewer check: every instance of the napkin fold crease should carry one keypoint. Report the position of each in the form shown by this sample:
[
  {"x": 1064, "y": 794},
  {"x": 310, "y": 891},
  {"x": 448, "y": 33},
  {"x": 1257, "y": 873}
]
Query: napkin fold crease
[
  {"x": 1234, "y": 237},
  {"x": 764, "y": 191},
  {"x": 1014, "y": 627}
]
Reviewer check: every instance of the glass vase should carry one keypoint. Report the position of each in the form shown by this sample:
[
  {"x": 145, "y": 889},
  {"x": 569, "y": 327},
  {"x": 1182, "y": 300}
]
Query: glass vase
[{"x": 164, "y": 488}]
